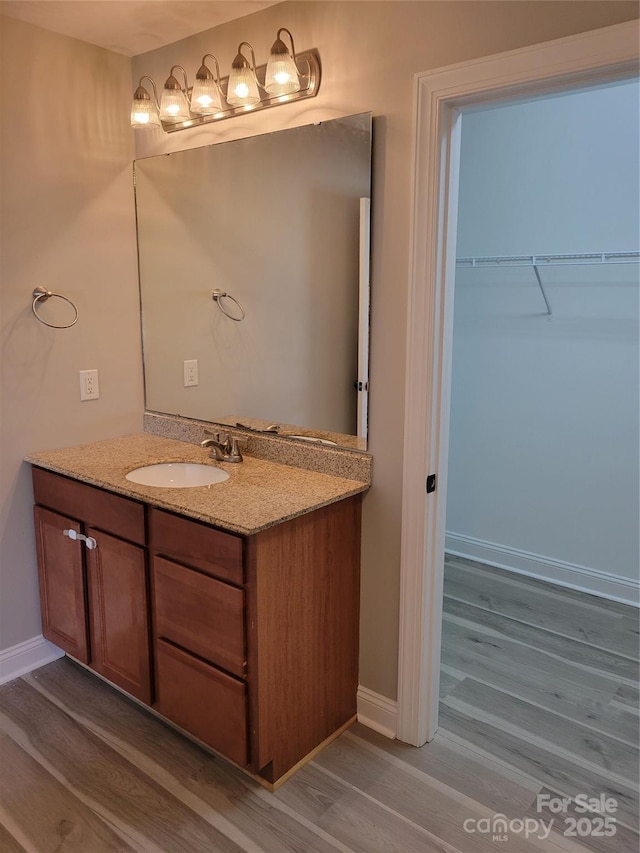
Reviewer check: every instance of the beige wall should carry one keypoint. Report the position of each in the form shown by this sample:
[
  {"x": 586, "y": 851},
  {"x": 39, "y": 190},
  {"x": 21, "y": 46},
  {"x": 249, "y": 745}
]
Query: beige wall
[
  {"x": 67, "y": 224},
  {"x": 370, "y": 53}
]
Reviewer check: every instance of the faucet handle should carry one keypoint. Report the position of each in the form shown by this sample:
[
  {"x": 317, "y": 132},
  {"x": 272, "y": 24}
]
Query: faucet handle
[
  {"x": 234, "y": 451},
  {"x": 221, "y": 437}
]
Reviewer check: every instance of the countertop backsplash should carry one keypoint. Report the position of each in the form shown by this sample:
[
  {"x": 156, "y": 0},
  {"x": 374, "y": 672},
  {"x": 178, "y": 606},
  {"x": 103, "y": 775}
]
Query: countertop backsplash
[{"x": 325, "y": 459}]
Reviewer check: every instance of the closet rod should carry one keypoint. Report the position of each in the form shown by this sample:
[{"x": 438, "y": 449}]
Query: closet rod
[{"x": 551, "y": 260}]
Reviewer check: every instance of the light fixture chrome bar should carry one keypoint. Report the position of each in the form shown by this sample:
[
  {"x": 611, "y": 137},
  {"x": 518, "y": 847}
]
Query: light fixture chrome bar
[{"x": 309, "y": 86}]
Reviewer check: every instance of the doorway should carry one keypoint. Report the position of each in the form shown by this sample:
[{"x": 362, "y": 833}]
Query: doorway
[
  {"x": 543, "y": 462},
  {"x": 580, "y": 61}
]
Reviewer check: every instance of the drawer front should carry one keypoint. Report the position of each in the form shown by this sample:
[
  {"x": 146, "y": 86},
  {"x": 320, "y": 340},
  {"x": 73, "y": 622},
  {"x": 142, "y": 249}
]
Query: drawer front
[
  {"x": 209, "y": 704},
  {"x": 95, "y": 507},
  {"x": 197, "y": 545},
  {"x": 199, "y": 613}
]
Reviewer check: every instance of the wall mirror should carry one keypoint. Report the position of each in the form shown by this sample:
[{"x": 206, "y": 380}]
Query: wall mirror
[{"x": 280, "y": 223}]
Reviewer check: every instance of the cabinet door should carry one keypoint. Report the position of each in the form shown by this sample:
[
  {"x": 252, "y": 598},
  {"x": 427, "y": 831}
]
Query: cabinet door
[
  {"x": 120, "y": 641},
  {"x": 62, "y": 583}
]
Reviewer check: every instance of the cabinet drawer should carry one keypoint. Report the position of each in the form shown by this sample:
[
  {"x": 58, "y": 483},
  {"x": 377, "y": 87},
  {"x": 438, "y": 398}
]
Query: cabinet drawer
[
  {"x": 196, "y": 545},
  {"x": 95, "y": 507},
  {"x": 199, "y": 613},
  {"x": 203, "y": 701}
]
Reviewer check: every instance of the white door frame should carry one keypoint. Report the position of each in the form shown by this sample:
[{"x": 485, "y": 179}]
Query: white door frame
[{"x": 586, "y": 59}]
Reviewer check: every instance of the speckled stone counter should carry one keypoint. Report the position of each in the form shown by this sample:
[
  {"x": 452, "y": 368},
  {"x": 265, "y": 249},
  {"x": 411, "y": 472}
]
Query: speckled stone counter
[
  {"x": 341, "y": 461},
  {"x": 258, "y": 494}
]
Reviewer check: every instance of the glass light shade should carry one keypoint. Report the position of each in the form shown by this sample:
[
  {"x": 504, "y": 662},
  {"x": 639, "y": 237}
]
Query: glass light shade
[
  {"x": 173, "y": 105},
  {"x": 144, "y": 113},
  {"x": 205, "y": 97},
  {"x": 243, "y": 88},
  {"x": 282, "y": 75}
]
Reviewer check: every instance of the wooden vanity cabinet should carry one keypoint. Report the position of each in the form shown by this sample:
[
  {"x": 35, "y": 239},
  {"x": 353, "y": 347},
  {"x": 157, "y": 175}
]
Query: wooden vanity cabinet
[
  {"x": 250, "y": 642},
  {"x": 94, "y": 601}
]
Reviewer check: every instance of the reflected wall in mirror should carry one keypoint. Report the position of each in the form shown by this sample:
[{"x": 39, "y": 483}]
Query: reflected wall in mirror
[{"x": 276, "y": 222}]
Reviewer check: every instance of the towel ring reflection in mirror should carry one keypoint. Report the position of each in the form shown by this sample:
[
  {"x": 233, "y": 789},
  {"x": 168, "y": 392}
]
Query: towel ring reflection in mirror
[
  {"x": 218, "y": 295},
  {"x": 42, "y": 294}
]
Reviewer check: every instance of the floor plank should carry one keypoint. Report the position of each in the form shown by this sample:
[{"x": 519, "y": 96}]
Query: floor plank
[
  {"x": 629, "y": 697},
  {"x": 448, "y": 682},
  {"x": 597, "y": 751},
  {"x": 553, "y": 770},
  {"x": 600, "y": 661},
  {"x": 606, "y": 605},
  {"x": 472, "y": 650},
  {"x": 61, "y": 820},
  {"x": 8, "y": 843},
  {"x": 454, "y": 764},
  {"x": 544, "y": 607},
  {"x": 405, "y": 791},
  {"x": 96, "y": 774},
  {"x": 366, "y": 828},
  {"x": 609, "y": 718}
]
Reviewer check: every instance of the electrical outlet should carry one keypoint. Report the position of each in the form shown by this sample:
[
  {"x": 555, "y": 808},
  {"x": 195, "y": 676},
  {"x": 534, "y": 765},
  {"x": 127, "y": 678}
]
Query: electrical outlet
[
  {"x": 190, "y": 372},
  {"x": 89, "y": 387}
]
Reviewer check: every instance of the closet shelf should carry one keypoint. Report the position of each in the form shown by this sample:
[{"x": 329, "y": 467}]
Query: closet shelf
[
  {"x": 537, "y": 261},
  {"x": 550, "y": 260}
]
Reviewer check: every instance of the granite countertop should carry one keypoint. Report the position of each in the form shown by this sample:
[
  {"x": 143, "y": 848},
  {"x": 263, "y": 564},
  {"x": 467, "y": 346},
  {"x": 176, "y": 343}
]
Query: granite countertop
[{"x": 258, "y": 494}]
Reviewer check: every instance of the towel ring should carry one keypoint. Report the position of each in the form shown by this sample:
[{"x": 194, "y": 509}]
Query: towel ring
[
  {"x": 41, "y": 293},
  {"x": 218, "y": 295}
]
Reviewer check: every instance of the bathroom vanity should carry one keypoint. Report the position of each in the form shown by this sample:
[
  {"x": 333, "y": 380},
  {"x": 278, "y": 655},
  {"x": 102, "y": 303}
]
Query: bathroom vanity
[{"x": 230, "y": 610}]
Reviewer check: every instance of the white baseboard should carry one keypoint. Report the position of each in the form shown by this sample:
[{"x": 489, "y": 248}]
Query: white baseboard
[
  {"x": 24, "y": 657},
  {"x": 585, "y": 579},
  {"x": 377, "y": 712}
]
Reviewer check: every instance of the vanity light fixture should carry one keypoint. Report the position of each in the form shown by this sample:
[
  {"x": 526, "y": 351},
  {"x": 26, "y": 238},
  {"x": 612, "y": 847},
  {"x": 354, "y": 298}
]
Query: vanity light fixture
[
  {"x": 282, "y": 76},
  {"x": 173, "y": 104},
  {"x": 242, "y": 88},
  {"x": 144, "y": 110},
  {"x": 287, "y": 77},
  {"x": 206, "y": 95}
]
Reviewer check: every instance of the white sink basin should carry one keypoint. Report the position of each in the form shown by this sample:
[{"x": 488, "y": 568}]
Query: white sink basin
[{"x": 177, "y": 475}]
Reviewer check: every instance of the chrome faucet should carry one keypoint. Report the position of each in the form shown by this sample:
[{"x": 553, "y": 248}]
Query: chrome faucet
[{"x": 224, "y": 447}]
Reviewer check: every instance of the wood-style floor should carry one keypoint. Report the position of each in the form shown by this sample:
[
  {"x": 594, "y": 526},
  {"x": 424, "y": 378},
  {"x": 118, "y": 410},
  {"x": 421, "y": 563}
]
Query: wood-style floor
[{"x": 540, "y": 696}]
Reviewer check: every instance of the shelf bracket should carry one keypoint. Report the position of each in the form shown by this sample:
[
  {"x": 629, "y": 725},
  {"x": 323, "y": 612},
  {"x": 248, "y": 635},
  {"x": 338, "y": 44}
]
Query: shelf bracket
[{"x": 541, "y": 286}]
